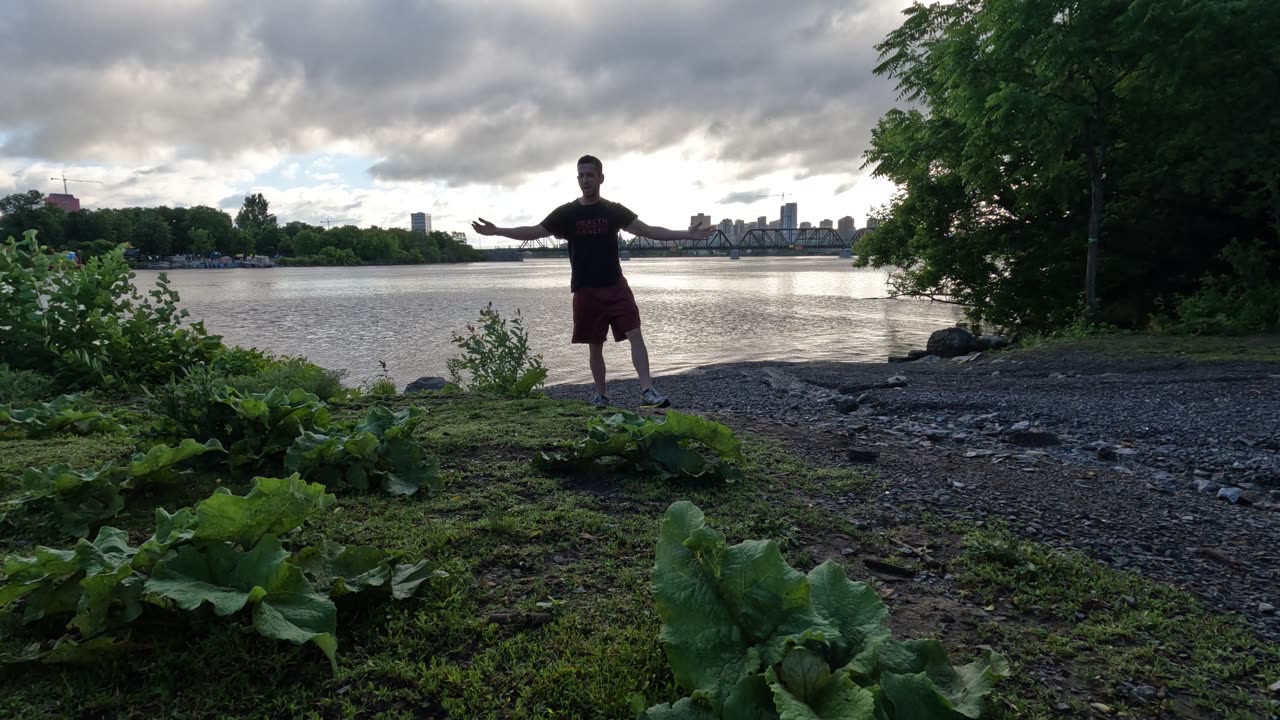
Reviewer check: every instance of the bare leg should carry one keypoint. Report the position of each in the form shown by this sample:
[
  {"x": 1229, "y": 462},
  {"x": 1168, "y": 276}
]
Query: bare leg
[
  {"x": 597, "y": 366},
  {"x": 640, "y": 358}
]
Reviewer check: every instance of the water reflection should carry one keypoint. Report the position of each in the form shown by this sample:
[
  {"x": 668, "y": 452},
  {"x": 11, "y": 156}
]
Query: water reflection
[{"x": 695, "y": 312}]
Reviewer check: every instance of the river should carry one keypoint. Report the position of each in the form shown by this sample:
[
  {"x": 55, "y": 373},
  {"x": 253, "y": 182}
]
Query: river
[{"x": 695, "y": 311}]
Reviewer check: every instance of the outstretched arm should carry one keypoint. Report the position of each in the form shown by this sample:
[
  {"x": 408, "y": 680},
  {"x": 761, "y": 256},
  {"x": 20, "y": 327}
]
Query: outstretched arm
[
  {"x": 660, "y": 233},
  {"x": 528, "y": 232}
]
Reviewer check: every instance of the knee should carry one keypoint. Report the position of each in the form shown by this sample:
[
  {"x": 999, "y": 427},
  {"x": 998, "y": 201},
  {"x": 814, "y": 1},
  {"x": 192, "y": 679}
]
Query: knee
[{"x": 635, "y": 337}]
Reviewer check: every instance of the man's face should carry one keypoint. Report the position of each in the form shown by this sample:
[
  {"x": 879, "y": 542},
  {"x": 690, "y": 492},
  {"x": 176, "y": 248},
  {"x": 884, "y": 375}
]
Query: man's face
[{"x": 589, "y": 179}]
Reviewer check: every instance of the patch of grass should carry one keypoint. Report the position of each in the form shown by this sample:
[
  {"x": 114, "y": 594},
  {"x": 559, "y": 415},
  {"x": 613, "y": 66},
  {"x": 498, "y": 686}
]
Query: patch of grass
[
  {"x": 546, "y": 610},
  {"x": 1114, "y": 628},
  {"x": 1255, "y": 348}
]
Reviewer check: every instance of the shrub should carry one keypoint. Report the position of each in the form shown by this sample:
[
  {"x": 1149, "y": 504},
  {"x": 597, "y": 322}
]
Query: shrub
[
  {"x": 497, "y": 357},
  {"x": 291, "y": 374},
  {"x": 23, "y": 386},
  {"x": 1242, "y": 301},
  {"x": 89, "y": 325}
]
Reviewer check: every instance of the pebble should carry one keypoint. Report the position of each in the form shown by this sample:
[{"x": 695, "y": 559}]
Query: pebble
[{"x": 1230, "y": 494}]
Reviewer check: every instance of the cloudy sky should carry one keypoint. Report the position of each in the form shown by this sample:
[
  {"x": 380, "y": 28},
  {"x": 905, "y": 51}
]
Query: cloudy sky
[{"x": 367, "y": 111}]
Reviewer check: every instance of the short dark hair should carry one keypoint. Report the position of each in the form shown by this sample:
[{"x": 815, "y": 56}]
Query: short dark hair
[{"x": 592, "y": 160}]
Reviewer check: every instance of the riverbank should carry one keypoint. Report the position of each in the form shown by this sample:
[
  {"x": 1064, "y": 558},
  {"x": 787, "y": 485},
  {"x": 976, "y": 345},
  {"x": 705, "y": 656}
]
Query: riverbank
[{"x": 1110, "y": 598}]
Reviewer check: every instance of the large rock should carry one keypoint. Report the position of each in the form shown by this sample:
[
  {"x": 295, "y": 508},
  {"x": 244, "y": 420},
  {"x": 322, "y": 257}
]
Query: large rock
[
  {"x": 952, "y": 342},
  {"x": 423, "y": 384}
]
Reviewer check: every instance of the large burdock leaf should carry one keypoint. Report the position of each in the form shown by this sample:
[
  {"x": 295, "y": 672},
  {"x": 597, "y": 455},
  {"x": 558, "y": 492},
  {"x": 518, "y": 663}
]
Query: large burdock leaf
[
  {"x": 274, "y": 506},
  {"x": 292, "y": 610},
  {"x": 218, "y": 574},
  {"x": 718, "y": 602},
  {"x": 157, "y": 465},
  {"x": 338, "y": 570},
  {"x": 919, "y": 682},
  {"x": 808, "y": 691},
  {"x": 856, "y": 612}
]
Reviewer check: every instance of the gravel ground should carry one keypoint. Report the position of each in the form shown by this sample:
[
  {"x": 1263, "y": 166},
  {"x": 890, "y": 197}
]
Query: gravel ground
[{"x": 1159, "y": 466}]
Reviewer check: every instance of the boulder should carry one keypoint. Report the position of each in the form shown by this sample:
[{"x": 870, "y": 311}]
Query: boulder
[
  {"x": 423, "y": 384},
  {"x": 952, "y": 342}
]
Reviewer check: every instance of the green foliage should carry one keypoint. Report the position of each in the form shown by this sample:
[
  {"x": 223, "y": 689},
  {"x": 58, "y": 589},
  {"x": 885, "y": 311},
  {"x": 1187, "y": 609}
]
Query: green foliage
[
  {"x": 291, "y": 373},
  {"x": 240, "y": 361},
  {"x": 256, "y": 428},
  {"x": 89, "y": 326},
  {"x": 496, "y": 357},
  {"x": 227, "y": 553},
  {"x": 1244, "y": 300},
  {"x": 668, "y": 447},
  {"x": 377, "y": 452},
  {"x": 749, "y": 636},
  {"x": 23, "y": 386},
  {"x": 78, "y": 500},
  {"x": 58, "y": 415},
  {"x": 1037, "y": 124}
]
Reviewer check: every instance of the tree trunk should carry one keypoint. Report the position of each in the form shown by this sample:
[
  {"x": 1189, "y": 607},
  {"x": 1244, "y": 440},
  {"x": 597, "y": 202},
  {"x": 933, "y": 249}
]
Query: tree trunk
[{"x": 1095, "y": 161}]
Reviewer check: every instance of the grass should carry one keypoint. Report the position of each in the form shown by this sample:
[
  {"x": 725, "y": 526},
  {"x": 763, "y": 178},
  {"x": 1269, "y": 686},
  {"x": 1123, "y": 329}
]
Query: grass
[
  {"x": 1113, "y": 627},
  {"x": 1255, "y": 348},
  {"x": 546, "y": 610}
]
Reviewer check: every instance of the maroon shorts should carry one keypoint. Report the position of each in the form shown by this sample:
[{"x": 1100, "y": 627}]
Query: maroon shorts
[{"x": 595, "y": 310}]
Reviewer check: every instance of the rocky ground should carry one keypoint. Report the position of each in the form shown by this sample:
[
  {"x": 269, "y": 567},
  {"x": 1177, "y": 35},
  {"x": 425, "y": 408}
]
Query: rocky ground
[{"x": 1161, "y": 466}]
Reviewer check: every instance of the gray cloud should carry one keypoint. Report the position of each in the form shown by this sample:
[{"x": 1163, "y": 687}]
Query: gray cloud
[
  {"x": 455, "y": 91},
  {"x": 743, "y": 196}
]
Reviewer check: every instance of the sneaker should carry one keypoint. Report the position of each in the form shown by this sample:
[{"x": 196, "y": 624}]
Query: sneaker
[
  {"x": 601, "y": 402},
  {"x": 650, "y": 398}
]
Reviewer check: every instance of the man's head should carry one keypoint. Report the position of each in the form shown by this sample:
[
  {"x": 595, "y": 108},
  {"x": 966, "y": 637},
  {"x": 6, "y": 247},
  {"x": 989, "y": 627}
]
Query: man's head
[{"x": 590, "y": 175}]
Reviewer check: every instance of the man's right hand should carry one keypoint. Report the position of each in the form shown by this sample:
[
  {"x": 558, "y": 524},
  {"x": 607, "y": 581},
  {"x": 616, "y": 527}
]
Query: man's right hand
[{"x": 484, "y": 227}]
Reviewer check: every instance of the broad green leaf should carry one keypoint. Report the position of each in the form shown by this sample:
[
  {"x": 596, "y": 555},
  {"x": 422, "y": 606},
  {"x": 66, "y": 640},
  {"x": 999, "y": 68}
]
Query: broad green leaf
[
  {"x": 918, "y": 680},
  {"x": 220, "y": 575},
  {"x": 530, "y": 379},
  {"x": 292, "y": 610},
  {"x": 407, "y": 579},
  {"x": 336, "y": 570},
  {"x": 751, "y": 699},
  {"x": 273, "y": 507},
  {"x": 46, "y": 566},
  {"x": 714, "y": 435},
  {"x": 804, "y": 674},
  {"x": 836, "y": 698},
  {"x": 157, "y": 464},
  {"x": 856, "y": 612}
]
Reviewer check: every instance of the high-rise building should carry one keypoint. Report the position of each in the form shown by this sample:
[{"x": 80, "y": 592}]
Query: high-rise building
[
  {"x": 700, "y": 220},
  {"x": 806, "y": 225},
  {"x": 762, "y": 222},
  {"x": 739, "y": 229},
  {"x": 70, "y": 203},
  {"x": 420, "y": 222},
  {"x": 827, "y": 225},
  {"x": 847, "y": 227},
  {"x": 790, "y": 220},
  {"x": 872, "y": 223},
  {"x": 726, "y": 227},
  {"x": 775, "y": 224}
]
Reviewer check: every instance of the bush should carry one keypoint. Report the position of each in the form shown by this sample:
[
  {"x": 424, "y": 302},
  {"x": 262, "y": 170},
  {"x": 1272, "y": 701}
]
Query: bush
[
  {"x": 291, "y": 374},
  {"x": 187, "y": 401},
  {"x": 88, "y": 325},
  {"x": 240, "y": 361},
  {"x": 1245, "y": 300},
  {"x": 23, "y": 386},
  {"x": 497, "y": 357}
]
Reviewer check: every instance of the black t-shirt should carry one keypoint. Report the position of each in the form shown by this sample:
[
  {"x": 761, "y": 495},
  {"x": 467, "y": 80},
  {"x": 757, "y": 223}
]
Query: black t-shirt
[{"x": 592, "y": 233}]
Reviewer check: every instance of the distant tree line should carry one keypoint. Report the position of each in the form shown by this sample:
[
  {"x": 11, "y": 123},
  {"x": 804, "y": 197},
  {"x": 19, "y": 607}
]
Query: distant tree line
[{"x": 203, "y": 230}]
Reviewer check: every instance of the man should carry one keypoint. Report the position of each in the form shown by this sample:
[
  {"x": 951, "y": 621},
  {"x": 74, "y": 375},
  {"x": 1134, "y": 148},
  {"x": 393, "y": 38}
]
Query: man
[{"x": 602, "y": 299}]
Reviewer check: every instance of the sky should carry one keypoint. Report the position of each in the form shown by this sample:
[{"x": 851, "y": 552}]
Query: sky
[{"x": 363, "y": 112}]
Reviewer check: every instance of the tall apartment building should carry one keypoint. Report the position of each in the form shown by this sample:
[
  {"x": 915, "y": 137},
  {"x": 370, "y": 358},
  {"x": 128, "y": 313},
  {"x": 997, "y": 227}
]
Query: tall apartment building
[
  {"x": 420, "y": 222},
  {"x": 827, "y": 225},
  {"x": 700, "y": 220},
  {"x": 790, "y": 220}
]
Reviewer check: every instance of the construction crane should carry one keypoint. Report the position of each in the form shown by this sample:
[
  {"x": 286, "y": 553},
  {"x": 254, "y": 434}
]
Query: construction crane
[
  {"x": 328, "y": 223},
  {"x": 66, "y": 180}
]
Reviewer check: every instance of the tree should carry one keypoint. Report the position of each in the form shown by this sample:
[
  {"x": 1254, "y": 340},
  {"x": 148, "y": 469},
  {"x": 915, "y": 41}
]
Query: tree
[
  {"x": 199, "y": 243},
  {"x": 151, "y": 234},
  {"x": 254, "y": 215},
  {"x": 1034, "y": 121},
  {"x": 20, "y": 212}
]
